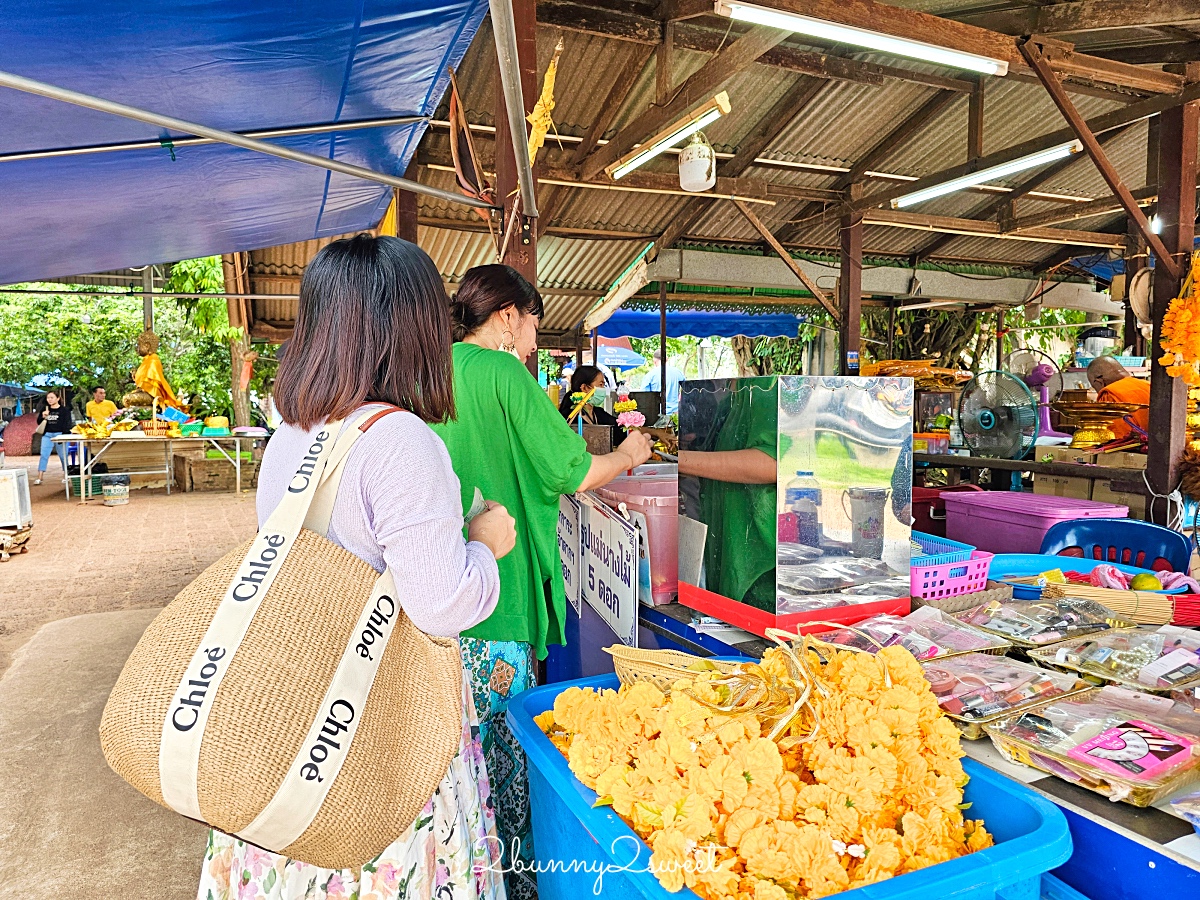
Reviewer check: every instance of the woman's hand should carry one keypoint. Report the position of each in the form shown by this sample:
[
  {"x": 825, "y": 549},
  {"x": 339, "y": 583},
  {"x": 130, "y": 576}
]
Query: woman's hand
[
  {"x": 495, "y": 529},
  {"x": 637, "y": 446}
]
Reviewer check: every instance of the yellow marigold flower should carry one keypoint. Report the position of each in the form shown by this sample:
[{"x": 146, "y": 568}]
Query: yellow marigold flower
[{"x": 669, "y": 859}]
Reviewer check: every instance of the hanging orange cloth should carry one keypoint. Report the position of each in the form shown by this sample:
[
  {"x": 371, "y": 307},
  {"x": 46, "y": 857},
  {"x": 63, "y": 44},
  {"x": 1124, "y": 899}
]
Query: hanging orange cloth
[
  {"x": 151, "y": 378},
  {"x": 1128, "y": 390}
]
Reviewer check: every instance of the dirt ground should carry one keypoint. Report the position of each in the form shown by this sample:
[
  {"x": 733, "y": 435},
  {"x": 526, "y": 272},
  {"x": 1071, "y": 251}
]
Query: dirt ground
[{"x": 94, "y": 558}]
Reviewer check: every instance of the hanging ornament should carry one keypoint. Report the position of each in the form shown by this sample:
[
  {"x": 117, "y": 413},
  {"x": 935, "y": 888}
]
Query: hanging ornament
[{"x": 697, "y": 164}]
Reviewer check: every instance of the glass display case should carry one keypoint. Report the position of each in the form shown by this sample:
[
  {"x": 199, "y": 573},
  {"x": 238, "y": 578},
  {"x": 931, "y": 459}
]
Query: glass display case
[{"x": 795, "y": 498}]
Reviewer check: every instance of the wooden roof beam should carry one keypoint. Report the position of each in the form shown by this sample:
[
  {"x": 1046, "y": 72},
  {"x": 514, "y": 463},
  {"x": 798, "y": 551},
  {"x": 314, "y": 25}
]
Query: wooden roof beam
[
  {"x": 1135, "y": 112},
  {"x": 1086, "y": 16},
  {"x": 1037, "y": 61},
  {"x": 762, "y": 229},
  {"x": 1153, "y": 54},
  {"x": 895, "y": 218},
  {"x": 919, "y": 26},
  {"x": 1099, "y": 207},
  {"x": 701, "y": 86}
]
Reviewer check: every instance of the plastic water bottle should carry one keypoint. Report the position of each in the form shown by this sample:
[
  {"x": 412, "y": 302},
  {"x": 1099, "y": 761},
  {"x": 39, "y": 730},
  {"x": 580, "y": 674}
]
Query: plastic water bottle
[{"x": 803, "y": 499}]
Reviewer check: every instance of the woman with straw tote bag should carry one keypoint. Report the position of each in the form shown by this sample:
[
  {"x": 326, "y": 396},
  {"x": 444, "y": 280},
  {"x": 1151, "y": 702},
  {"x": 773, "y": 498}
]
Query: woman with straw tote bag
[{"x": 367, "y": 368}]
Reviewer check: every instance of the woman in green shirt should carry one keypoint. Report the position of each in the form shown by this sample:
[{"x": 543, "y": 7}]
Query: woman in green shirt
[{"x": 509, "y": 442}]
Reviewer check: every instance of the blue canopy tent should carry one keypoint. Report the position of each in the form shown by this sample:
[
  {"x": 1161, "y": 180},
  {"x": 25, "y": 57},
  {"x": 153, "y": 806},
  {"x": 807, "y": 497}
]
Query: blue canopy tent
[
  {"x": 237, "y": 66},
  {"x": 700, "y": 323}
]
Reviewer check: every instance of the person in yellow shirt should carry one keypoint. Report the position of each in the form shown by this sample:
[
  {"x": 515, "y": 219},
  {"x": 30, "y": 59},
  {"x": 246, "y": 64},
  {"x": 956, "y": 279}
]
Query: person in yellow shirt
[
  {"x": 98, "y": 408},
  {"x": 1113, "y": 384}
]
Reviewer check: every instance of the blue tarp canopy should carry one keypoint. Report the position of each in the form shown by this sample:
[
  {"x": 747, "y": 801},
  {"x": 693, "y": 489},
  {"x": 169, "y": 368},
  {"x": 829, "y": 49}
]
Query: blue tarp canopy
[
  {"x": 230, "y": 64},
  {"x": 701, "y": 324}
]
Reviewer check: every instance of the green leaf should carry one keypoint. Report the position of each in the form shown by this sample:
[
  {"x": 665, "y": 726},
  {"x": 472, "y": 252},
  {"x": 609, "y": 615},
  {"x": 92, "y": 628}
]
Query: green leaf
[
  {"x": 269, "y": 881},
  {"x": 603, "y": 801}
]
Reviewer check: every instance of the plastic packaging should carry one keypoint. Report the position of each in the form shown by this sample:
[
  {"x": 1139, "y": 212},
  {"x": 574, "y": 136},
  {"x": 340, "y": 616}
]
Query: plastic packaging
[
  {"x": 976, "y": 689},
  {"x": 927, "y": 634},
  {"x": 1159, "y": 660},
  {"x": 1189, "y": 808},
  {"x": 1029, "y": 623},
  {"x": 1108, "y": 745}
]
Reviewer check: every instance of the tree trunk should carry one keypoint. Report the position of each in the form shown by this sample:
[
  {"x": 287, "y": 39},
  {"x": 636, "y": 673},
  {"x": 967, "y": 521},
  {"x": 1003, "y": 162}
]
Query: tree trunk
[{"x": 238, "y": 348}]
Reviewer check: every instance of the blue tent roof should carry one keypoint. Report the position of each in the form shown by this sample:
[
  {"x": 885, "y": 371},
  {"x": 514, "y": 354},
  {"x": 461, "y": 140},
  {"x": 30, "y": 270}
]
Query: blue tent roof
[
  {"x": 700, "y": 323},
  {"x": 230, "y": 64}
]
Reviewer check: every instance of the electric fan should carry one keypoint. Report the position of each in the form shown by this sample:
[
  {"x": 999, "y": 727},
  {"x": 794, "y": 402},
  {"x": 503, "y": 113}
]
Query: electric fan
[
  {"x": 998, "y": 416},
  {"x": 1040, "y": 373}
]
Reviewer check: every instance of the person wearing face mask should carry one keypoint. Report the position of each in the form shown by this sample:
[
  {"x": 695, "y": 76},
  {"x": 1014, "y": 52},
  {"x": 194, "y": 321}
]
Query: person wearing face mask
[
  {"x": 592, "y": 412},
  {"x": 509, "y": 442}
]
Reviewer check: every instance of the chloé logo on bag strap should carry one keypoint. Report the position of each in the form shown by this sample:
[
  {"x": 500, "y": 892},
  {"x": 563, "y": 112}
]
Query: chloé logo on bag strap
[{"x": 327, "y": 742}]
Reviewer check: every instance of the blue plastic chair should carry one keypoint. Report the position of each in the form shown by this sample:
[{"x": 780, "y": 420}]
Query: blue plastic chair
[{"x": 1127, "y": 541}]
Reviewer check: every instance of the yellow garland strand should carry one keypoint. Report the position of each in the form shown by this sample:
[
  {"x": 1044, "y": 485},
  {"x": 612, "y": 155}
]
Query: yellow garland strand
[{"x": 1181, "y": 329}]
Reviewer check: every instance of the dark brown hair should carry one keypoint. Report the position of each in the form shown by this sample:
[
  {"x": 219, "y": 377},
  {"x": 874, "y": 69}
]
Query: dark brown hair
[
  {"x": 372, "y": 326},
  {"x": 485, "y": 290}
]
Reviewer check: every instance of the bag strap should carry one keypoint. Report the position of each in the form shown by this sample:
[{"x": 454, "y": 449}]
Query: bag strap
[{"x": 320, "y": 514}]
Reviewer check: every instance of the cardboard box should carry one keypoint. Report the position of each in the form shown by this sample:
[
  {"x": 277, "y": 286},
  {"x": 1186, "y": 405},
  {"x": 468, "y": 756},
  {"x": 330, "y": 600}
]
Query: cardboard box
[
  {"x": 213, "y": 474},
  {"x": 1122, "y": 460},
  {"x": 1060, "y": 486},
  {"x": 1122, "y": 492},
  {"x": 1065, "y": 455}
]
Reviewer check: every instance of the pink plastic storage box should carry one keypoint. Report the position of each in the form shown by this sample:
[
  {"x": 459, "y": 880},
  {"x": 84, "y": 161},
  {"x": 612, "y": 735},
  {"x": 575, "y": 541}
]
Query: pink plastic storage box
[
  {"x": 657, "y": 498},
  {"x": 1012, "y": 522}
]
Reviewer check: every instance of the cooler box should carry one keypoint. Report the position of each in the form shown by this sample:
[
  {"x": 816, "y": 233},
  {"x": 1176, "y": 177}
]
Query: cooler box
[
  {"x": 585, "y": 851},
  {"x": 1013, "y": 522},
  {"x": 929, "y": 510},
  {"x": 657, "y": 498}
]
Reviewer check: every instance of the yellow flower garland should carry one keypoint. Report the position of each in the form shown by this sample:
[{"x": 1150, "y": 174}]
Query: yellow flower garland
[
  {"x": 1181, "y": 329},
  {"x": 865, "y": 785}
]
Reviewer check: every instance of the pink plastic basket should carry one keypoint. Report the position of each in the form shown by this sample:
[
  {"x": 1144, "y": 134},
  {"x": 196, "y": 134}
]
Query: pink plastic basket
[{"x": 951, "y": 579}]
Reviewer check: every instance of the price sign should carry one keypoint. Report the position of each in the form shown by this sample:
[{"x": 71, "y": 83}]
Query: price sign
[
  {"x": 569, "y": 547},
  {"x": 609, "y": 569}
]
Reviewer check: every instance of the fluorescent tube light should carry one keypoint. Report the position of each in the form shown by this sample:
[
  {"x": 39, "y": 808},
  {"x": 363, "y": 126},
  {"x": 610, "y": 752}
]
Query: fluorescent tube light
[
  {"x": 671, "y": 135},
  {"x": 861, "y": 37},
  {"x": 984, "y": 175}
]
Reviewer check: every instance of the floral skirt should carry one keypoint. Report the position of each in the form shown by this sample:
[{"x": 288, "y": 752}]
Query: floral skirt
[
  {"x": 501, "y": 670},
  {"x": 450, "y": 852}
]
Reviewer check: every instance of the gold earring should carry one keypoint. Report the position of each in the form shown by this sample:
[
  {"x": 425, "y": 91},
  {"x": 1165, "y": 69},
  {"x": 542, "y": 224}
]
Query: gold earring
[{"x": 508, "y": 344}]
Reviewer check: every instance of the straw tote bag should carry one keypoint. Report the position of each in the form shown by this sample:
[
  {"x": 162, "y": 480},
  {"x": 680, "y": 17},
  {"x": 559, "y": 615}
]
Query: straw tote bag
[{"x": 283, "y": 696}]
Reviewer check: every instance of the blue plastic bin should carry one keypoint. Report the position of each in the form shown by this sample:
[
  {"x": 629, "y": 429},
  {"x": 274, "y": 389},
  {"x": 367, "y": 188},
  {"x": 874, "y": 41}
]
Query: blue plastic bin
[
  {"x": 939, "y": 550},
  {"x": 577, "y": 844},
  {"x": 1008, "y": 565}
]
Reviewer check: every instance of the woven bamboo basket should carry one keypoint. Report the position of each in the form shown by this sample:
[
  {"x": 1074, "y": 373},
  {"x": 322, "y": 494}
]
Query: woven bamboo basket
[
  {"x": 1045, "y": 659},
  {"x": 662, "y": 668},
  {"x": 156, "y": 427},
  {"x": 996, "y": 590}
]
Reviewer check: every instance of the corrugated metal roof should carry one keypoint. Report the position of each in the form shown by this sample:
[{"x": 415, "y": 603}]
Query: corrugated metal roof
[{"x": 839, "y": 126}]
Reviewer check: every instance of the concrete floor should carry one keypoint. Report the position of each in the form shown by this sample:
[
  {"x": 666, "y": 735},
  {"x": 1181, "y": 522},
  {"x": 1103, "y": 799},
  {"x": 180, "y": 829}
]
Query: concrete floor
[{"x": 70, "y": 612}]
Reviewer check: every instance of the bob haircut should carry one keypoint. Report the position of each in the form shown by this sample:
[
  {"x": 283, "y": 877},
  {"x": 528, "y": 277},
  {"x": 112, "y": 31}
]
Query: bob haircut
[
  {"x": 373, "y": 326},
  {"x": 485, "y": 290}
]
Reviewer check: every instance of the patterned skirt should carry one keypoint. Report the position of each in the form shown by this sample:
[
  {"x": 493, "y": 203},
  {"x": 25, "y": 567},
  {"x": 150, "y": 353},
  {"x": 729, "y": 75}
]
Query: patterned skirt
[
  {"x": 501, "y": 670},
  {"x": 450, "y": 852}
]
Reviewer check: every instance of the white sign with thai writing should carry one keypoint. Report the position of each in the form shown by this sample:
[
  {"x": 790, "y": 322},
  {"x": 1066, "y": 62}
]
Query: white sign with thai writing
[
  {"x": 569, "y": 547},
  {"x": 609, "y": 572}
]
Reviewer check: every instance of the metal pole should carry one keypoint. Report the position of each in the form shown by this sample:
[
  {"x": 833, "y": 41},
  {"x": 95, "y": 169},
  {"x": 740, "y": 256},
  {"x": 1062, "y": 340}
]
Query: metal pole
[
  {"x": 505, "y": 29},
  {"x": 41, "y": 89},
  {"x": 662, "y": 343},
  {"x": 295, "y": 131},
  {"x": 148, "y": 297}
]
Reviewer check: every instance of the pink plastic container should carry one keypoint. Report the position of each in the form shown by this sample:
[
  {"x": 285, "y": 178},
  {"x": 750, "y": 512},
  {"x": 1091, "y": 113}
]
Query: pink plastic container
[
  {"x": 1012, "y": 522},
  {"x": 951, "y": 579},
  {"x": 657, "y": 498}
]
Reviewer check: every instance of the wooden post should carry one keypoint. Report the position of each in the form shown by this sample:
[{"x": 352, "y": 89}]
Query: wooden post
[
  {"x": 148, "y": 297},
  {"x": 850, "y": 294},
  {"x": 521, "y": 250},
  {"x": 1135, "y": 261},
  {"x": 1176, "y": 212},
  {"x": 662, "y": 337},
  {"x": 406, "y": 208},
  {"x": 975, "y": 121}
]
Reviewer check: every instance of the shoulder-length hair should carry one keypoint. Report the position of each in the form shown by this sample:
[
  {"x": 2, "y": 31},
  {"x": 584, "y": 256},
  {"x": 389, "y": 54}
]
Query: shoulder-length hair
[{"x": 373, "y": 326}]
